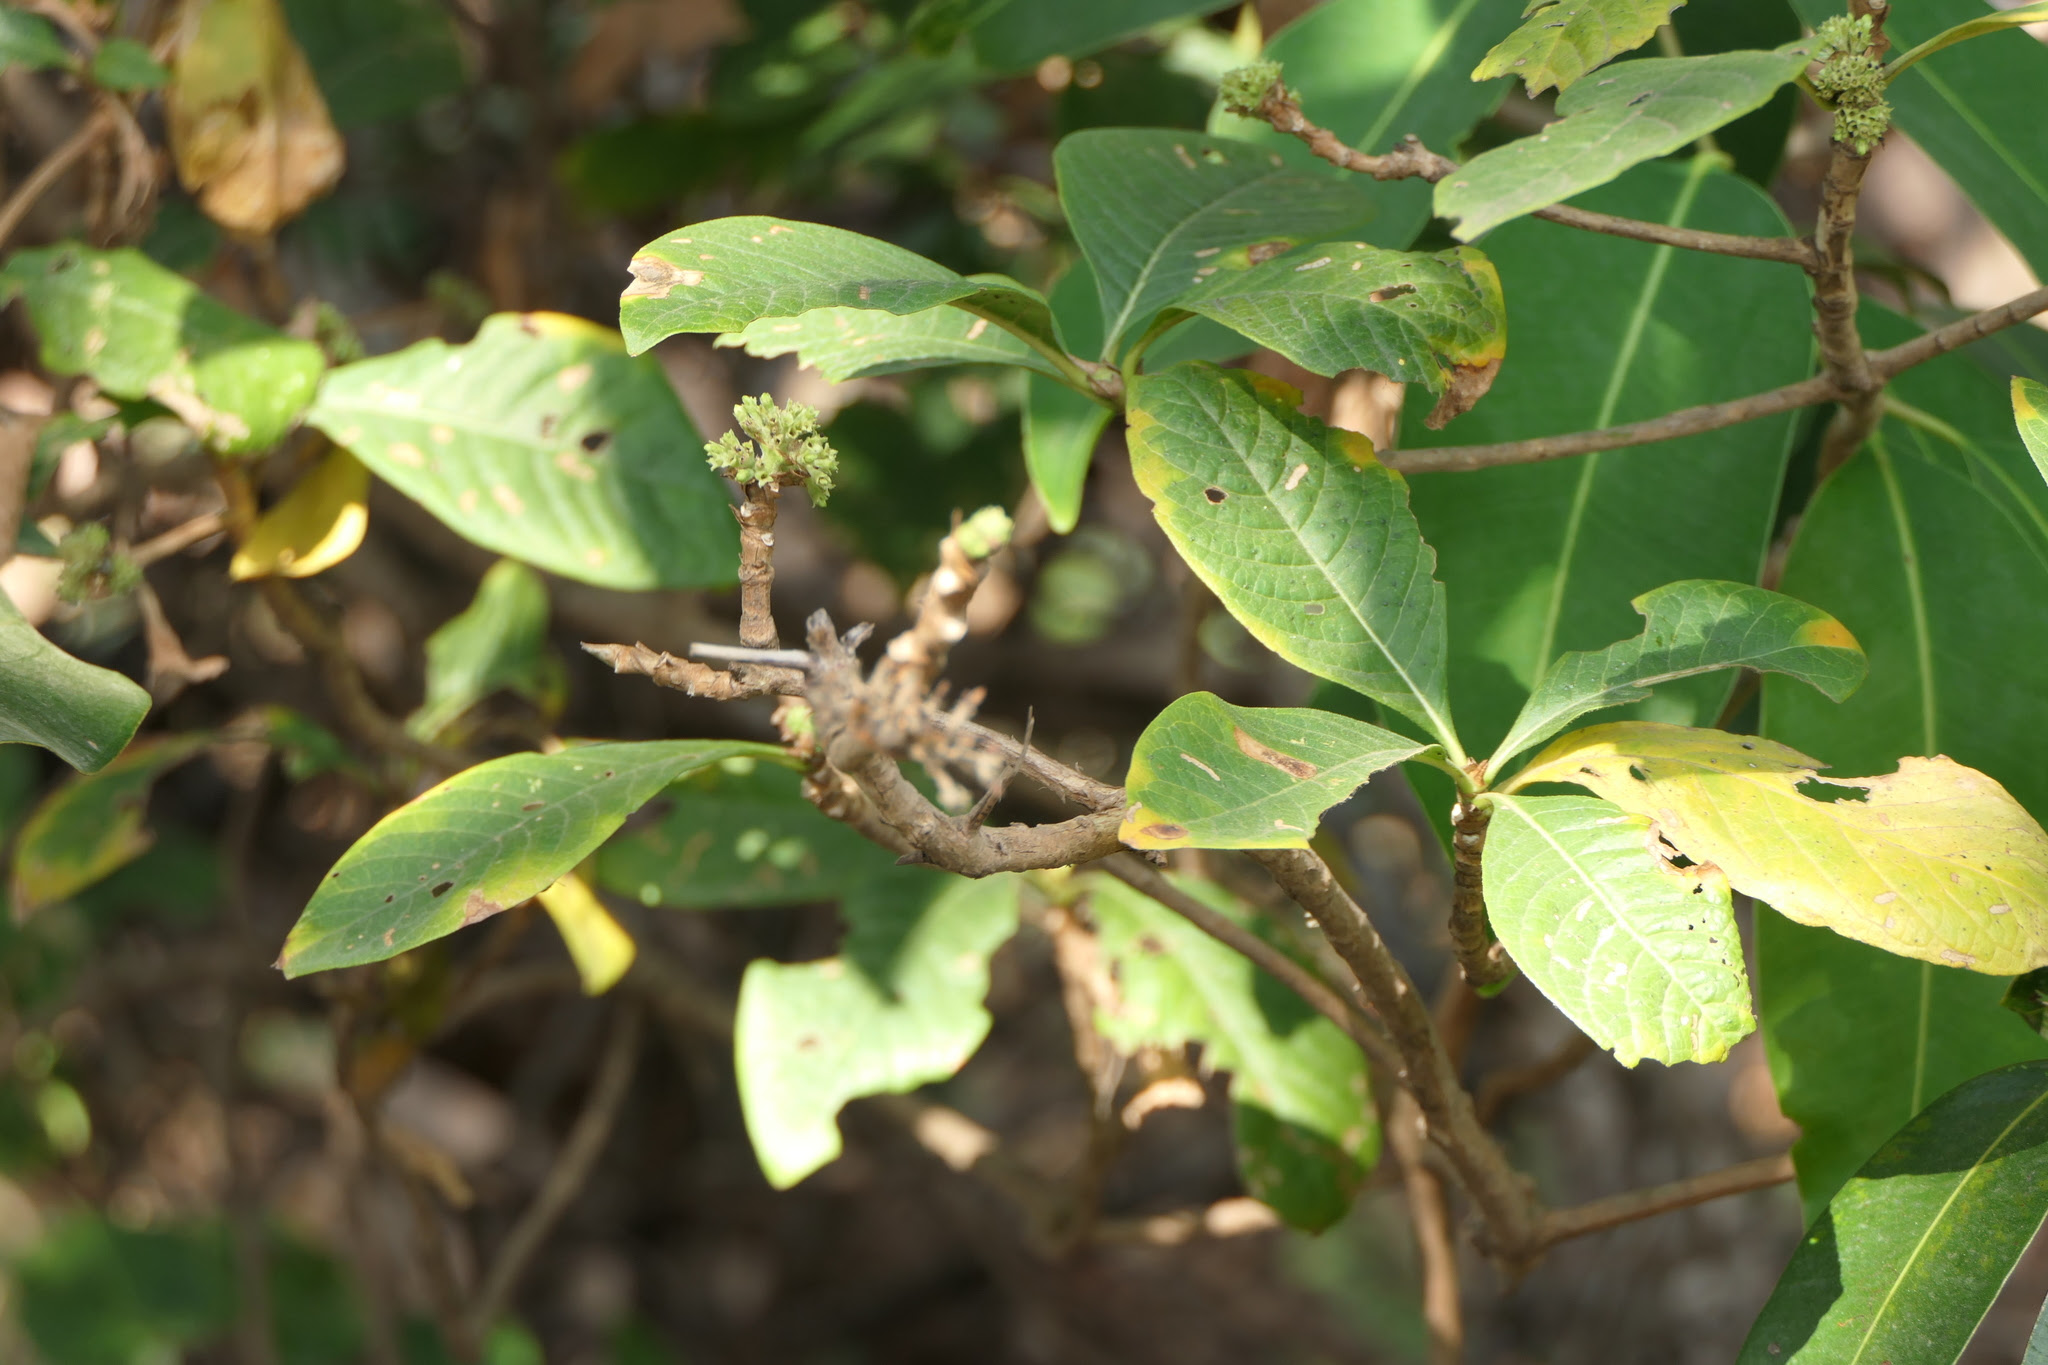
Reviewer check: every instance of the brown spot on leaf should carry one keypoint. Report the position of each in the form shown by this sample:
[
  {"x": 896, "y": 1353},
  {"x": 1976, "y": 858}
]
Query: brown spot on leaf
[
  {"x": 653, "y": 278},
  {"x": 1165, "y": 832},
  {"x": 1392, "y": 291},
  {"x": 1214, "y": 494},
  {"x": 478, "y": 907},
  {"x": 1261, "y": 252},
  {"x": 1466, "y": 386},
  {"x": 1286, "y": 763}
]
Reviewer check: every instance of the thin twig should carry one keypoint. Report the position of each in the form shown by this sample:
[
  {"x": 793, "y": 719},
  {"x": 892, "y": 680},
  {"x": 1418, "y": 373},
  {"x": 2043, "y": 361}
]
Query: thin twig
[
  {"x": 743, "y": 654},
  {"x": 180, "y": 537},
  {"x": 52, "y": 168},
  {"x": 572, "y": 1167},
  {"x": 1430, "y": 1216},
  {"x": 1501, "y": 1086},
  {"x": 1559, "y": 1225},
  {"x": 1483, "y": 960},
  {"x": 17, "y": 454}
]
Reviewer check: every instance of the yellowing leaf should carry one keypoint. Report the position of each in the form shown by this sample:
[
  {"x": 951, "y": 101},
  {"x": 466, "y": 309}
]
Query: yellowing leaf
[
  {"x": 1559, "y": 43},
  {"x": 601, "y": 949},
  {"x": 2030, "y": 411},
  {"x": 248, "y": 124},
  {"x": 1936, "y": 861},
  {"x": 317, "y": 525}
]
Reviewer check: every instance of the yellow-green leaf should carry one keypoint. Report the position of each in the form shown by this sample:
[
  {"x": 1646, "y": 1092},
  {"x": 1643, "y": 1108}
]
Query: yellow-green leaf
[
  {"x": 600, "y": 947},
  {"x": 1559, "y": 43},
  {"x": 92, "y": 825},
  {"x": 316, "y": 526},
  {"x": 1935, "y": 861},
  {"x": 1207, "y": 774},
  {"x": 2030, "y": 412}
]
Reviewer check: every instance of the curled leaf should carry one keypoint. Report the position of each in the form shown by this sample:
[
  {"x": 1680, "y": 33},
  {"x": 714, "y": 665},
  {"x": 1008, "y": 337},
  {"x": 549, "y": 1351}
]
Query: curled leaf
[{"x": 316, "y": 526}]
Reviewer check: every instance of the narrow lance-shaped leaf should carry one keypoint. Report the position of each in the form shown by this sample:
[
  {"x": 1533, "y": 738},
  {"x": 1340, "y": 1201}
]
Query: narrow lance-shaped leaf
[
  {"x": 1304, "y": 1126},
  {"x": 1627, "y": 114},
  {"x": 1435, "y": 319},
  {"x": 1061, "y": 427},
  {"x": 1641, "y": 956},
  {"x": 143, "y": 332},
  {"x": 484, "y": 840},
  {"x": 725, "y": 274},
  {"x": 599, "y": 946},
  {"x": 542, "y": 440},
  {"x": 855, "y": 343},
  {"x": 1559, "y": 43},
  {"x": 1206, "y": 774},
  {"x": 1909, "y": 1255},
  {"x": 2030, "y": 412},
  {"x": 1303, "y": 534},
  {"x": 1157, "y": 211},
  {"x": 82, "y": 713},
  {"x": 1692, "y": 627},
  {"x": 899, "y": 1007},
  {"x": 2035, "y": 13},
  {"x": 92, "y": 826},
  {"x": 1935, "y": 861}
]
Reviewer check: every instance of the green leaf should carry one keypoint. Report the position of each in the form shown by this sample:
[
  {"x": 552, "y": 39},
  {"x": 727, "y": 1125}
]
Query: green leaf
[
  {"x": 92, "y": 825},
  {"x": 1976, "y": 111},
  {"x": 143, "y": 332},
  {"x": 900, "y": 1006},
  {"x": 736, "y": 835},
  {"x": 378, "y": 59},
  {"x": 2030, "y": 414},
  {"x": 1306, "y": 1133},
  {"x": 124, "y": 64},
  {"x": 1949, "y": 637},
  {"x": 1909, "y": 1255},
  {"x": 1434, "y": 319},
  {"x": 542, "y": 441},
  {"x": 484, "y": 840},
  {"x": 1646, "y": 960},
  {"x": 1936, "y": 861},
  {"x": 855, "y": 343},
  {"x": 1375, "y": 71},
  {"x": 1696, "y": 626},
  {"x": 723, "y": 275},
  {"x": 1206, "y": 774},
  {"x": 96, "y": 1294},
  {"x": 82, "y": 713},
  {"x": 1972, "y": 28},
  {"x": 1528, "y": 561},
  {"x": 31, "y": 41},
  {"x": 1016, "y": 35},
  {"x": 1061, "y": 427},
  {"x": 1301, "y": 532},
  {"x": 1558, "y": 43},
  {"x": 499, "y": 642},
  {"x": 1157, "y": 211},
  {"x": 1629, "y": 114}
]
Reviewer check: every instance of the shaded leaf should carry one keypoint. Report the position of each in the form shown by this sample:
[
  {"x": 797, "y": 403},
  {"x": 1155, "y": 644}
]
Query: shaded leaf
[
  {"x": 734, "y": 835},
  {"x": 92, "y": 825},
  {"x": 723, "y": 275},
  {"x": 482, "y": 841},
  {"x": 1643, "y": 958},
  {"x": 1908, "y": 1256},
  {"x": 542, "y": 440},
  {"x": 1158, "y": 211},
  {"x": 1061, "y": 427},
  {"x": 1558, "y": 43},
  {"x": 31, "y": 41},
  {"x": 1434, "y": 319},
  {"x": 1375, "y": 71},
  {"x": 1300, "y": 531},
  {"x": 600, "y": 948},
  {"x": 1628, "y": 114},
  {"x": 1935, "y": 861},
  {"x": 1206, "y": 774},
  {"x": 2030, "y": 414},
  {"x": 1016, "y": 35},
  {"x": 82, "y": 713},
  {"x": 900, "y": 1006},
  {"x": 378, "y": 59},
  {"x": 143, "y": 332},
  {"x": 854, "y": 343},
  {"x": 1976, "y": 111},
  {"x": 1859, "y": 1040},
  {"x": 314, "y": 527},
  {"x": 124, "y": 64},
  {"x": 93, "y": 1293},
  {"x": 1970, "y": 28},
  {"x": 2027, "y": 997},
  {"x": 249, "y": 128},
  {"x": 1307, "y": 1136},
  {"x": 499, "y": 642},
  {"x": 1529, "y": 568},
  {"x": 1691, "y": 627}
]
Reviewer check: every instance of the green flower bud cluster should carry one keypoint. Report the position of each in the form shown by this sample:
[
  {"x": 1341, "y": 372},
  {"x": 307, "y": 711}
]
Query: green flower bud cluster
[
  {"x": 982, "y": 534},
  {"x": 1245, "y": 89},
  {"x": 786, "y": 448},
  {"x": 91, "y": 571},
  {"x": 1852, "y": 81}
]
